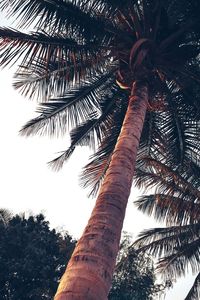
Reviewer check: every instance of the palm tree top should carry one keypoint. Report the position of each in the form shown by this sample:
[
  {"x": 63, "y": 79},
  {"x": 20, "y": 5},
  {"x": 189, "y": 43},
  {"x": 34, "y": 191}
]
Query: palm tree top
[{"x": 82, "y": 59}]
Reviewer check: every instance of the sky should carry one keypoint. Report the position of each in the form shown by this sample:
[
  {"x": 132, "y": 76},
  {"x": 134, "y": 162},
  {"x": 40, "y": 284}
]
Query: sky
[{"x": 29, "y": 185}]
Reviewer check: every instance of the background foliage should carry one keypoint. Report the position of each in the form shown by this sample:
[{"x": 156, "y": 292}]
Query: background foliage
[{"x": 32, "y": 258}]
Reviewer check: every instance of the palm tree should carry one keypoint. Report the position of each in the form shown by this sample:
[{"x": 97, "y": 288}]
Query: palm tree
[
  {"x": 177, "y": 203},
  {"x": 104, "y": 69}
]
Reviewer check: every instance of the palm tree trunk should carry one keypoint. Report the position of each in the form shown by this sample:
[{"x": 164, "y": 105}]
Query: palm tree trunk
[{"x": 89, "y": 272}]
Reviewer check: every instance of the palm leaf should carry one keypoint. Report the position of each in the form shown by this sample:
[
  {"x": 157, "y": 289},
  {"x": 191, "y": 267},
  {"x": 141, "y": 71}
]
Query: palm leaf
[
  {"x": 176, "y": 202},
  {"x": 169, "y": 209},
  {"x": 78, "y": 18},
  {"x": 151, "y": 142},
  {"x": 80, "y": 136},
  {"x": 90, "y": 133},
  {"x": 38, "y": 81},
  {"x": 59, "y": 114},
  {"x": 167, "y": 240},
  {"x": 48, "y": 48},
  {"x": 169, "y": 179},
  {"x": 177, "y": 264},
  {"x": 94, "y": 172}
]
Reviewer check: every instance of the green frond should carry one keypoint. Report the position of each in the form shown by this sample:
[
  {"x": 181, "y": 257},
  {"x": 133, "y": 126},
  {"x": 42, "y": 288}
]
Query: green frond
[
  {"x": 91, "y": 133},
  {"x": 57, "y": 15},
  {"x": 173, "y": 128},
  {"x": 83, "y": 135},
  {"x": 42, "y": 82},
  {"x": 163, "y": 242},
  {"x": 39, "y": 46},
  {"x": 151, "y": 141},
  {"x": 147, "y": 179},
  {"x": 94, "y": 172},
  {"x": 170, "y": 209},
  {"x": 176, "y": 264},
  {"x": 176, "y": 202},
  {"x": 168, "y": 177},
  {"x": 75, "y": 107},
  {"x": 182, "y": 94},
  {"x": 178, "y": 123}
]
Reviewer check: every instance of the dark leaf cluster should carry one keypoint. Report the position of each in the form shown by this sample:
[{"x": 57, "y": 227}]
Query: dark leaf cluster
[
  {"x": 32, "y": 257},
  {"x": 134, "y": 276}
]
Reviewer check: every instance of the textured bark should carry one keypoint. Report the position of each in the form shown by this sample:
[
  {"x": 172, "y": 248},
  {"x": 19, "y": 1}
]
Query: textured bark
[{"x": 89, "y": 272}]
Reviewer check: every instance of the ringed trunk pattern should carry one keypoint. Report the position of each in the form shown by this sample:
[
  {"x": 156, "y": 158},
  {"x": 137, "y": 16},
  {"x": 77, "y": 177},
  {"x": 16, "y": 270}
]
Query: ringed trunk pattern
[{"x": 89, "y": 272}]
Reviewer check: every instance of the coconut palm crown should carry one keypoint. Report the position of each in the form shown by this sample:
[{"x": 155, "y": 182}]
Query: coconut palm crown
[
  {"x": 175, "y": 202},
  {"x": 83, "y": 59},
  {"x": 103, "y": 69}
]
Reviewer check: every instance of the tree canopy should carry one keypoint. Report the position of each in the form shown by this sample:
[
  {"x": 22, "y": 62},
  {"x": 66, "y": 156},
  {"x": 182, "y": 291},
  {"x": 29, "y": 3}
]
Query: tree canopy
[
  {"x": 134, "y": 277},
  {"x": 32, "y": 257}
]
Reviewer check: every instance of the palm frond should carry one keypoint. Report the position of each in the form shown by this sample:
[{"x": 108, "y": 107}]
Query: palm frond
[
  {"x": 172, "y": 127},
  {"x": 176, "y": 202},
  {"x": 42, "y": 82},
  {"x": 59, "y": 114},
  {"x": 176, "y": 264},
  {"x": 85, "y": 134},
  {"x": 181, "y": 92},
  {"x": 56, "y": 13},
  {"x": 151, "y": 142},
  {"x": 176, "y": 127},
  {"x": 48, "y": 48},
  {"x": 169, "y": 178},
  {"x": 150, "y": 179},
  {"x": 167, "y": 240},
  {"x": 94, "y": 172},
  {"x": 90, "y": 133},
  {"x": 169, "y": 209}
]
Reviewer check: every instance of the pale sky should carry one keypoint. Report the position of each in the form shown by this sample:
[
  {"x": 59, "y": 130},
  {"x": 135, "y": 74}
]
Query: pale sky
[{"x": 28, "y": 185}]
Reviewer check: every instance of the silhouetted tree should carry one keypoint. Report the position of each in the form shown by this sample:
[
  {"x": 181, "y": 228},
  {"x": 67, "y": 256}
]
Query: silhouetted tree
[
  {"x": 32, "y": 258},
  {"x": 134, "y": 276}
]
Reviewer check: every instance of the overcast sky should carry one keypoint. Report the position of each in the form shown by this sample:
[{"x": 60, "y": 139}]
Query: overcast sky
[{"x": 28, "y": 185}]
